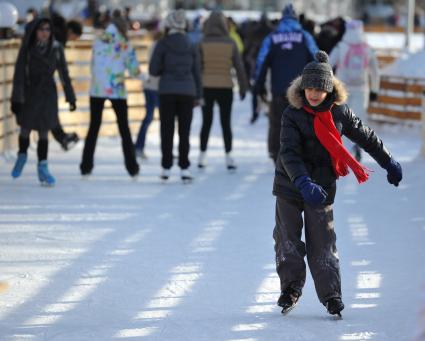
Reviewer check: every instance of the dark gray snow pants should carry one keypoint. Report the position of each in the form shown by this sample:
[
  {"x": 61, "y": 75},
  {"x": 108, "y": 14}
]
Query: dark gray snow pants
[{"x": 319, "y": 246}]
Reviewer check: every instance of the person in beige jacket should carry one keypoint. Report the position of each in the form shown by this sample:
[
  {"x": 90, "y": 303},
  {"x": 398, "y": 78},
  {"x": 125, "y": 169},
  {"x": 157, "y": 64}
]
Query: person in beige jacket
[{"x": 219, "y": 55}]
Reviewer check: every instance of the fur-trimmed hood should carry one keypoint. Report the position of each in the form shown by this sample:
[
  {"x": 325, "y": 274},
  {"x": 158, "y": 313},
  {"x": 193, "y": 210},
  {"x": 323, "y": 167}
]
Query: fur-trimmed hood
[{"x": 294, "y": 93}]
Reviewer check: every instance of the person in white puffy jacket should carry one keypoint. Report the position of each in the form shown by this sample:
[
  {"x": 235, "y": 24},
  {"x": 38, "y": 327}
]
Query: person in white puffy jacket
[{"x": 357, "y": 67}]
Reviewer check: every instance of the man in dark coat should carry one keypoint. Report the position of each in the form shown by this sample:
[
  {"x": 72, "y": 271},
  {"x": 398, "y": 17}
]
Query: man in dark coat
[
  {"x": 34, "y": 94},
  {"x": 285, "y": 52}
]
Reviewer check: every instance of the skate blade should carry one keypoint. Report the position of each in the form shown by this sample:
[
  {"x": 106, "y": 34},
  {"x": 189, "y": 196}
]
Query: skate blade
[
  {"x": 187, "y": 180},
  {"x": 46, "y": 184},
  {"x": 287, "y": 310},
  {"x": 338, "y": 316},
  {"x": 71, "y": 145},
  {"x": 231, "y": 169}
]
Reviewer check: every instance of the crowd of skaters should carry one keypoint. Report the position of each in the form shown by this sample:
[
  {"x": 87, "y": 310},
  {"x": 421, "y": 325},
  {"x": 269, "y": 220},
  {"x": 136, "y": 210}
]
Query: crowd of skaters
[
  {"x": 307, "y": 119},
  {"x": 218, "y": 45}
]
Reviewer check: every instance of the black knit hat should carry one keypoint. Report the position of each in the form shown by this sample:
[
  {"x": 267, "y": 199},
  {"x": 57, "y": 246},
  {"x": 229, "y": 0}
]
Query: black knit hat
[{"x": 318, "y": 74}]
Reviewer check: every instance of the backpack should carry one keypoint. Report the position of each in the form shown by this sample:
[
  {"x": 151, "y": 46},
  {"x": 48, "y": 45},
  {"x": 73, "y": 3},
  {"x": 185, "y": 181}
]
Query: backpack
[{"x": 355, "y": 64}]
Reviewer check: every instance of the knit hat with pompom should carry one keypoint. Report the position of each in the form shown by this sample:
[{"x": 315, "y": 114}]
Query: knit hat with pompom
[
  {"x": 318, "y": 74},
  {"x": 176, "y": 20}
]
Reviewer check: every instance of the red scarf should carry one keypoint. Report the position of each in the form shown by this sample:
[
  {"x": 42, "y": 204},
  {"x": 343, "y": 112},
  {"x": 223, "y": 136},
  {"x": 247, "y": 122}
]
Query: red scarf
[{"x": 328, "y": 135}]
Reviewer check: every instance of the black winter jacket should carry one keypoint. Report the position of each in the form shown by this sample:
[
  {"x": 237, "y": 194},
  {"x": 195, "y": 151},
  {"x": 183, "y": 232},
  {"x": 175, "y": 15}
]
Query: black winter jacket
[
  {"x": 178, "y": 64},
  {"x": 34, "y": 86},
  {"x": 301, "y": 153}
]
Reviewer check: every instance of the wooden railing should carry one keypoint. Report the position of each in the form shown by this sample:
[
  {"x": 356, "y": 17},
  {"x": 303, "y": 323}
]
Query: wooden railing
[
  {"x": 78, "y": 55},
  {"x": 399, "y": 98},
  {"x": 8, "y": 53}
]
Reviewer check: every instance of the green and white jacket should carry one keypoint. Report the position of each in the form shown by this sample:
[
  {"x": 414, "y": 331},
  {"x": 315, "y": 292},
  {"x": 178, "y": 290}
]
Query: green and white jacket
[{"x": 112, "y": 54}]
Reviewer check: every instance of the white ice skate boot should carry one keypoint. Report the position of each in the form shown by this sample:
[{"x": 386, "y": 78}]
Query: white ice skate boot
[
  {"x": 230, "y": 162},
  {"x": 202, "y": 160}
]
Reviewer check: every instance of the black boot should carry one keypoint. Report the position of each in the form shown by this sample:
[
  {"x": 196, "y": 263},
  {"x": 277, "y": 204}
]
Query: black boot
[
  {"x": 288, "y": 299},
  {"x": 335, "y": 306},
  {"x": 69, "y": 141}
]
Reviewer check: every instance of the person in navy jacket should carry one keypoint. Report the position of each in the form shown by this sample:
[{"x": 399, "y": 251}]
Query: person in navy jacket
[{"x": 284, "y": 52}]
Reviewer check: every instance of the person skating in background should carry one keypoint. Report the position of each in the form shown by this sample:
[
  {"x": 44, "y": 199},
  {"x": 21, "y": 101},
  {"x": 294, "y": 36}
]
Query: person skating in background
[
  {"x": 357, "y": 67},
  {"x": 285, "y": 52},
  {"x": 176, "y": 61},
  {"x": 195, "y": 31},
  {"x": 71, "y": 31},
  {"x": 311, "y": 158},
  {"x": 234, "y": 34},
  {"x": 63, "y": 32},
  {"x": 256, "y": 32},
  {"x": 112, "y": 55},
  {"x": 150, "y": 90},
  {"x": 34, "y": 93},
  {"x": 219, "y": 55}
]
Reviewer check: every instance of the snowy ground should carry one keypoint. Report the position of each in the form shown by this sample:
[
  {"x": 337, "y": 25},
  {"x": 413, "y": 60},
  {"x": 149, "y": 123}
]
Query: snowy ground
[{"x": 109, "y": 258}]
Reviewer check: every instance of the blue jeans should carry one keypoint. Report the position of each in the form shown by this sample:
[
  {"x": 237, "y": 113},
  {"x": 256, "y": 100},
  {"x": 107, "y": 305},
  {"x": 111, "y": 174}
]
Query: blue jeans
[{"x": 151, "y": 102}]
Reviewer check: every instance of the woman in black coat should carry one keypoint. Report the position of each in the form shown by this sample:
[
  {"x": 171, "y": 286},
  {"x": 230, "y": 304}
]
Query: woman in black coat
[
  {"x": 34, "y": 94},
  {"x": 177, "y": 62}
]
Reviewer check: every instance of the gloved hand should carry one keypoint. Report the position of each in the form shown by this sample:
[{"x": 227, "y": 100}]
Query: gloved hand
[
  {"x": 373, "y": 96},
  {"x": 242, "y": 95},
  {"x": 312, "y": 193},
  {"x": 394, "y": 172},
  {"x": 16, "y": 107},
  {"x": 72, "y": 106}
]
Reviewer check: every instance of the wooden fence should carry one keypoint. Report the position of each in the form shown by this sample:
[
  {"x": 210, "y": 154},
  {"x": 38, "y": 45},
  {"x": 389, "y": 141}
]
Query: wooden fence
[
  {"x": 399, "y": 98},
  {"x": 78, "y": 55}
]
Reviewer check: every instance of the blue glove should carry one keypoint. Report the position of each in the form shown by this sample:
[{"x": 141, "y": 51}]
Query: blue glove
[
  {"x": 394, "y": 172},
  {"x": 312, "y": 193}
]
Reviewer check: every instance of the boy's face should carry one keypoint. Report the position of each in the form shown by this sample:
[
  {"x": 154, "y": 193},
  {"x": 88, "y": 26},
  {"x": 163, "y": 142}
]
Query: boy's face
[{"x": 315, "y": 96}]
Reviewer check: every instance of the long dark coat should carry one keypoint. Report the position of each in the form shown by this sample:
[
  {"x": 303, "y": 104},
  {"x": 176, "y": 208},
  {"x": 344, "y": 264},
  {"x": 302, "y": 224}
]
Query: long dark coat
[{"x": 34, "y": 86}]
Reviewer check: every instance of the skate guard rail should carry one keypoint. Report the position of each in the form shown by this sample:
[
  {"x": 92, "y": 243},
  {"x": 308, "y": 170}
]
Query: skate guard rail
[
  {"x": 78, "y": 56},
  {"x": 399, "y": 98}
]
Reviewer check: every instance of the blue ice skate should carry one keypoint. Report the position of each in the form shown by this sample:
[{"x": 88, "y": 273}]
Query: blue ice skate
[
  {"x": 19, "y": 165},
  {"x": 46, "y": 179}
]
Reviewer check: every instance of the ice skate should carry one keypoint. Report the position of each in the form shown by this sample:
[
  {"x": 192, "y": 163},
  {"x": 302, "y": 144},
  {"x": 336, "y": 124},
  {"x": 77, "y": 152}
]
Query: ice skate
[
  {"x": 335, "y": 306},
  {"x": 46, "y": 179},
  {"x": 165, "y": 174},
  {"x": 69, "y": 141},
  {"x": 230, "y": 163},
  {"x": 186, "y": 176},
  {"x": 19, "y": 165},
  {"x": 288, "y": 300},
  {"x": 202, "y": 160}
]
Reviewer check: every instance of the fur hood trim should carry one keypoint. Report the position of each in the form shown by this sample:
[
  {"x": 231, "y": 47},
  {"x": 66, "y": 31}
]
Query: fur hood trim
[{"x": 294, "y": 93}]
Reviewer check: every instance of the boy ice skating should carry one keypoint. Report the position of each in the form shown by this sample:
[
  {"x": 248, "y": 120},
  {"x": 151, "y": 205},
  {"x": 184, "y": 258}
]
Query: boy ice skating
[{"x": 311, "y": 158}]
